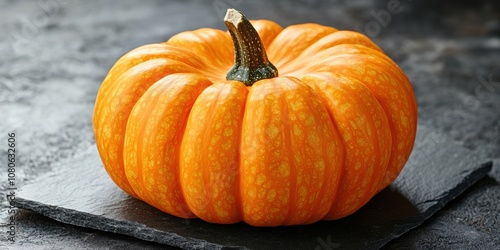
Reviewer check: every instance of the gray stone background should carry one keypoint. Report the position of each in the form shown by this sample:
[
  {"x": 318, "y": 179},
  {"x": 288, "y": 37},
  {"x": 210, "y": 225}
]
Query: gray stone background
[{"x": 54, "y": 55}]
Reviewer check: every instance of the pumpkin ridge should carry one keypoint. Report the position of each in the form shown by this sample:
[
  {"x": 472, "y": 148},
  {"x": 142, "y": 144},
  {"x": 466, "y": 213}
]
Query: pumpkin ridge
[
  {"x": 203, "y": 42},
  {"x": 341, "y": 37},
  {"x": 350, "y": 50},
  {"x": 143, "y": 54},
  {"x": 319, "y": 63},
  {"x": 339, "y": 180},
  {"x": 146, "y": 112},
  {"x": 159, "y": 105},
  {"x": 298, "y": 37},
  {"x": 164, "y": 51},
  {"x": 239, "y": 201},
  {"x": 145, "y": 196},
  {"x": 377, "y": 136},
  {"x": 267, "y": 168},
  {"x": 313, "y": 217},
  {"x": 288, "y": 145},
  {"x": 204, "y": 160},
  {"x": 114, "y": 87},
  {"x": 379, "y": 164},
  {"x": 332, "y": 117},
  {"x": 210, "y": 153},
  {"x": 339, "y": 84},
  {"x": 108, "y": 145},
  {"x": 398, "y": 133},
  {"x": 180, "y": 140},
  {"x": 130, "y": 73}
]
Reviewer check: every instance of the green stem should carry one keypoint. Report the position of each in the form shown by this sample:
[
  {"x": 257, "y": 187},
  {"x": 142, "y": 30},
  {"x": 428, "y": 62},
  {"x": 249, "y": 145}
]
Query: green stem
[{"x": 250, "y": 58}]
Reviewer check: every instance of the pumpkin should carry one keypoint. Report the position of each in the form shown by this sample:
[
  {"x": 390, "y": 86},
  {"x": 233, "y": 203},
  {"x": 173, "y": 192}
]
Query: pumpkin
[{"x": 293, "y": 126}]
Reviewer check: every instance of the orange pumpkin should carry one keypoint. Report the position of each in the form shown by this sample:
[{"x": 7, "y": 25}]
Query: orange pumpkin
[{"x": 315, "y": 143}]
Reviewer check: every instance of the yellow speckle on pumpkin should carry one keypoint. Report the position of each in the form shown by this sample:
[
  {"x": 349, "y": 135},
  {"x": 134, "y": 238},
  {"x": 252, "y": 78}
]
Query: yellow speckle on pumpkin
[
  {"x": 319, "y": 165},
  {"x": 107, "y": 132},
  {"x": 261, "y": 178},
  {"x": 393, "y": 82},
  {"x": 253, "y": 169},
  {"x": 252, "y": 192},
  {"x": 404, "y": 119},
  {"x": 221, "y": 212},
  {"x": 298, "y": 157},
  {"x": 218, "y": 125},
  {"x": 302, "y": 116},
  {"x": 162, "y": 188},
  {"x": 297, "y": 105},
  {"x": 296, "y": 130},
  {"x": 357, "y": 166},
  {"x": 149, "y": 187},
  {"x": 272, "y": 131},
  {"x": 271, "y": 194},
  {"x": 353, "y": 124},
  {"x": 302, "y": 191},
  {"x": 310, "y": 120},
  {"x": 347, "y": 136},
  {"x": 361, "y": 141},
  {"x": 360, "y": 121},
  {"x": 284, "y": 170},
  {"x": 365, "y": 182},
  {"x": 226, "y": 145},
  {"x": 313, "y": 139},
  {"x": 215, "y": 139},
  {"x": 228, "y": 132},
  {"x": 344, "y": 107},
  {"x": 359, "y": 70}
]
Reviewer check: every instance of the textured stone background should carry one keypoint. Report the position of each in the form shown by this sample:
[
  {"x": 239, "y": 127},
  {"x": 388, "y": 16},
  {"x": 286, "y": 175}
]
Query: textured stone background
[{"x": 55, "y": 53}]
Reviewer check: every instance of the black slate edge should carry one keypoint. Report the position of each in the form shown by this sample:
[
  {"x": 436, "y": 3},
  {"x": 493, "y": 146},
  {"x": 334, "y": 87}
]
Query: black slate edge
[
  {"x": 470, "y": 179},
  {"x": 415, "y": 221},
  {"x": 73, "y": 217}
]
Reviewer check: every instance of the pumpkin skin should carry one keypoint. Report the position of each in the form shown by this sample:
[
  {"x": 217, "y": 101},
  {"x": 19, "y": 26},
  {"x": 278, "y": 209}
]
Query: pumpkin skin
[{"x": 315, "y": 143}]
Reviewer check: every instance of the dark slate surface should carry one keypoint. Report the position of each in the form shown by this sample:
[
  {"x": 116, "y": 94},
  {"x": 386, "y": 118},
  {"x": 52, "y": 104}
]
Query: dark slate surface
[
  {"x": 55, "y": 53},
  {"x": 437, "y": 172}
]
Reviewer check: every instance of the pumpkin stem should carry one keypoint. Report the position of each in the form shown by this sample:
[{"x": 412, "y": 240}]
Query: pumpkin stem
[{"x": 250, "y": 58}]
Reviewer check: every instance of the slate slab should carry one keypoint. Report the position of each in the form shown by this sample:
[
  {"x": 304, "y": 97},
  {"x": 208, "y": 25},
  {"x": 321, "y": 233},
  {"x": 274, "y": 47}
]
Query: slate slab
[{"x": 80, "y": 193}]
